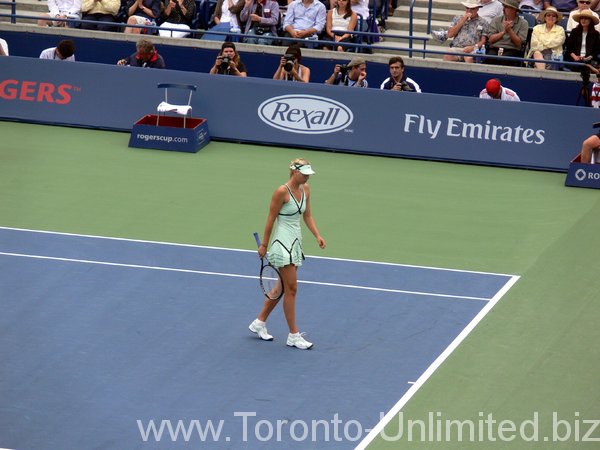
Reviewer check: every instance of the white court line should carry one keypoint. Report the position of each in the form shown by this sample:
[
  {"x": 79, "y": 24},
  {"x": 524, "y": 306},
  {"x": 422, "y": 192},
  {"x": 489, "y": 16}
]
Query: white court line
[
  {"x": 377, "y": 429},
  {"x": 175, "y": 244},
  {"x": 234, "y": 275}
]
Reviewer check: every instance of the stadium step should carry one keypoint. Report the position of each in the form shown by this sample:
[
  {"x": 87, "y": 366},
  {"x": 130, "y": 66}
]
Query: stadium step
[
  {"x": 25, "y": 8},
  {"x": 442, "y": 13}
]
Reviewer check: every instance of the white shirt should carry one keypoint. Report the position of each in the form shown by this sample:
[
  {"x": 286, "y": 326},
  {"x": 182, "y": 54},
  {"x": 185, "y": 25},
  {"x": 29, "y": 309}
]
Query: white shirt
[
  {"x": 226, "y": 15},
  {"x": 71, "y": 8},
  {"x": 508, "y": 95},
  {"x": 490, "y": 10},
  {"x": 4, "y": 46},
  {"x": 362, "y": 8},
  {"x": 50, "y": 53}
]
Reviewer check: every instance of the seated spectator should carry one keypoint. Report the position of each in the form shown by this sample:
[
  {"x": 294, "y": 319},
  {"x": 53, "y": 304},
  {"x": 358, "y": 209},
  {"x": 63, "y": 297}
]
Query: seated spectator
[
  {"x": 532, "y": 6},
  {"x": 226, "y": 19},
  {"x": 64, "y": 51},
  {"x": 495, "y": 91},
  {"x": 3, "y": 48},
  {"x": 228, "y": 62},
  {"x": 561, "y": 5},
  {"x": 468, "y": 32},
  {"x": 587, "y": 51},
  {"x": 61, "y": 9},
  {"x": 354, "y": 74},
  {"x": 100, "y": 11},
  {"x": 177, "y": 14},
  {"x": 595, "y": 93},
  {"x": 547, "y": 39},
  {"x": 305, "y": 19},
  {"x": 582, "y": 5},
  {"x": 261, "y": 18},
  {"x": 145, "y": 56},
  {"x": 361, "y": 8},
  {"x": 142, "y": 12},
  {"x": 398, "y": 81},
  {"x": 340, "y": 18},
  {"x": 490, "y": 9},
  {"x": 507, "y": 34},
  {"x": 290, "y": 68},
  {"x": 589, "y": 145}
]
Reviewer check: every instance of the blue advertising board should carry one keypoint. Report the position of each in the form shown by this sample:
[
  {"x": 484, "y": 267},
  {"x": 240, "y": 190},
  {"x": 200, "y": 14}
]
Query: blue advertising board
[
  {"x": 370, "y": 121},
  {"x": 583, "y": 175}
]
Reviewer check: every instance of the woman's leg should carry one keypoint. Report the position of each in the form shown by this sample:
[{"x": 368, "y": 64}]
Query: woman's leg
[
  {"x": 588, "y": 146},
  {"x": 539, "y": 65},
  {"x": 290, "y": 286}
]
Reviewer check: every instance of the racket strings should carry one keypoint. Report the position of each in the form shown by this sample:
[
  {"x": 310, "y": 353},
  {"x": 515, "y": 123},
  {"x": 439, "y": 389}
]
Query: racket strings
[{"x": 270, "y": 282}]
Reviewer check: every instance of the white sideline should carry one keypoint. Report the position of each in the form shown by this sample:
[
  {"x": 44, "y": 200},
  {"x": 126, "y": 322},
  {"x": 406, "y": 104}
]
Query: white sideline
[
  {"x": 377, "y": 429},
  {"x": 175, "y": 244},
  {"x": 233, "y": 275}
]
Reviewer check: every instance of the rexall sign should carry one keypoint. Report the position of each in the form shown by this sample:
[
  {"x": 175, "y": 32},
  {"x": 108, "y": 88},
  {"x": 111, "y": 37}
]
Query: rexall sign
[{"x": 305, "y": 114}]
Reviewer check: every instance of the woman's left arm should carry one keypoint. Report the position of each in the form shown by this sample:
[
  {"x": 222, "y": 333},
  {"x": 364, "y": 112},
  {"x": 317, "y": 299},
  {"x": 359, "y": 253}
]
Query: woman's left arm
[{"x": 309, "y": 221}]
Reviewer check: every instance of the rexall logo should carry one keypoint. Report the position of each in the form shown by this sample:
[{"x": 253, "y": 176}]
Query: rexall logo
[{"x": 305, "y": 114}]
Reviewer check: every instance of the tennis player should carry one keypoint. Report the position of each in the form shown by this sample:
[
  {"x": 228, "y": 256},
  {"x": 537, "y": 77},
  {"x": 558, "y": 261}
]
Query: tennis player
[{"x": 289, "y": 203}]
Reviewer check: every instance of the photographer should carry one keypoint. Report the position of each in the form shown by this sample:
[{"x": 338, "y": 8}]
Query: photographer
[
  {"x": 353, "y": 74},
  {"x": 398, "y": 81},
  {"x": 145, "y": 56},
  {"x": 290, "y": 68},
  {"x": 228, "y": 62}
]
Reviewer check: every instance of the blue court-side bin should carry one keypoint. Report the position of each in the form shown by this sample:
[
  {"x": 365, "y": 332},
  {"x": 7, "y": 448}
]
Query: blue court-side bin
[
  {"x": 174, "y": 133},
  {"x": 583, "y": 175}
]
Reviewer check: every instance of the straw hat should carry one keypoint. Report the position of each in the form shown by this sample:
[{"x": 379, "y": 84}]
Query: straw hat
[
  {"x": 550, "y": 9},
  {"x": 586, "y": 14}
]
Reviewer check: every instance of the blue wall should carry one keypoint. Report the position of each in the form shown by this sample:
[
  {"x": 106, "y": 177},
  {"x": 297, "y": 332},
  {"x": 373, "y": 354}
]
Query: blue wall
[
  {"x": 192, "y": 59},
  {"x": 370, "y": 121}
]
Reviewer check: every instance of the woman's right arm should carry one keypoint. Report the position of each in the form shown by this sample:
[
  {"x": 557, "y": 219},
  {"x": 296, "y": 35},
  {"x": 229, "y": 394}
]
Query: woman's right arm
[
  {"x": 279, "y": 74},
  {"x": 328, "y": 21},
  {"x": 276, "y": 203}
]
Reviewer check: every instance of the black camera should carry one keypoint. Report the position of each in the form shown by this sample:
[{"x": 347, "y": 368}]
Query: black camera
[
  {"x": 225, "y": 63},
  {"x": 289, "y": 62},
  {"x": 404, "y": 86},
  {"x": 344, "y": 69}
]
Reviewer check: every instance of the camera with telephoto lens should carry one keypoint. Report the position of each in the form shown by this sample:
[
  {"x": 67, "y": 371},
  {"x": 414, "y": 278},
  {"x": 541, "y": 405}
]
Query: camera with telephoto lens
[
  {"x": 225, "y": 63},
  {"x": 344, "y": 69},
  {"x": 289, "y": 62}
]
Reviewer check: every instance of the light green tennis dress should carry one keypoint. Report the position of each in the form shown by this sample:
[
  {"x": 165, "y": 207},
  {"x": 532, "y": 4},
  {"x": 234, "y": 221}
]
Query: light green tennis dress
[{"x": 286, "y": 242}]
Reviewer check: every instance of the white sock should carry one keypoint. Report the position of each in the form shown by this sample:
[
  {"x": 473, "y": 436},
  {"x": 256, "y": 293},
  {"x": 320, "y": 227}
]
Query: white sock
[{"x": 260, "y": 322}]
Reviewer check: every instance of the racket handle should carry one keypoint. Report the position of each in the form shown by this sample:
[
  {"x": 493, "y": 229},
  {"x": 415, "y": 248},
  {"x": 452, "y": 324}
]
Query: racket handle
[{"x": 257, "y": 238}]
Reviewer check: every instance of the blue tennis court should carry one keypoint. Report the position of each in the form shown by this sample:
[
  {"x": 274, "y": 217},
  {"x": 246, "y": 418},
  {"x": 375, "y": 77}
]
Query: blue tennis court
[{"x": 125, "y": 344}]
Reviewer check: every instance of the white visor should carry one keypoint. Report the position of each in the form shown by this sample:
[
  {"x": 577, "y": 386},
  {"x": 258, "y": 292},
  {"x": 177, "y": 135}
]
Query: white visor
[{"x": 305, "y": 169}]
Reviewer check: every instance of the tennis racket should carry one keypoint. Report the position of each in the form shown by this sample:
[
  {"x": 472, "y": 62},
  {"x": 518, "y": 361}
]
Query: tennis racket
[{"x": 270, "y": 278}]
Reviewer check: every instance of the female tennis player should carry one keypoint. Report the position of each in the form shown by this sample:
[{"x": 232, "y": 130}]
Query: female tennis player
[{"x": 289, "y": 202}]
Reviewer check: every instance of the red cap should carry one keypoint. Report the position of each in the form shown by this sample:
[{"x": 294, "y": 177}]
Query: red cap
[{"x": 493, "y": 87}]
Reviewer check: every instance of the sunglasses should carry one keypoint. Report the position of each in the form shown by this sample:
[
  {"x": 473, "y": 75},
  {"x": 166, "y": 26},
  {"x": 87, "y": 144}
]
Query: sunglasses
[{"x": 585, "y": 3}]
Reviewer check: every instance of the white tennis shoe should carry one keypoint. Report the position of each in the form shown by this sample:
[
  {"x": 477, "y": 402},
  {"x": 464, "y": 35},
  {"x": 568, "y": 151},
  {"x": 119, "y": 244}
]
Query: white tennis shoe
[
  {"x": 260, "y": 328},
  {"x": 297, "y": 340},
  {"x": 440, "y": 35}
]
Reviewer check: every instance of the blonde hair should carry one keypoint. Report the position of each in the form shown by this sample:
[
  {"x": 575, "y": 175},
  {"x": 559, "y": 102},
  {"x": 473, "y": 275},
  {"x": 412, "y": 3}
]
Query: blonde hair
[{"x": 297, "y": 163}]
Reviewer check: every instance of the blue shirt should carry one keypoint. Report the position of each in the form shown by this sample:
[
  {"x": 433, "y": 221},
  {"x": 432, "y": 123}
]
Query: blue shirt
[{"x": 301, "y": 17}]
